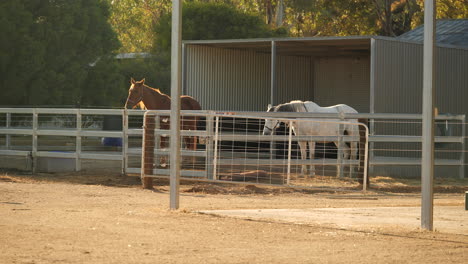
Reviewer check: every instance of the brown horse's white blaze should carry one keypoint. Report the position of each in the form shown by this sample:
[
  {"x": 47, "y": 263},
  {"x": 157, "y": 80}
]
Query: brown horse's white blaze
[{"x": 139, "y": 94}]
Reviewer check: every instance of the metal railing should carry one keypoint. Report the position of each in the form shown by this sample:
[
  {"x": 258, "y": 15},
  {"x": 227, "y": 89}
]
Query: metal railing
[{"x": 9, "y": 129}]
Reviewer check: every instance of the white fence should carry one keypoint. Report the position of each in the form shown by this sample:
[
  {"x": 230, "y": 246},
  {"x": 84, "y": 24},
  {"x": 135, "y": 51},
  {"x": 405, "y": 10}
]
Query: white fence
[
  {"x": 72, "y": 126},
  {"x": 394, "y": 138}
]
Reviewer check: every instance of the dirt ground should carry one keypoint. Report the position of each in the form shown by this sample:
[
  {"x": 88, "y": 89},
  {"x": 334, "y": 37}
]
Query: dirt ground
[{"x": 108, "y": 218}]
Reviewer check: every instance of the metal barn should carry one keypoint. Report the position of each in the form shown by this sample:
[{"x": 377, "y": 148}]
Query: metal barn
[{"x": 371, "y": 74}]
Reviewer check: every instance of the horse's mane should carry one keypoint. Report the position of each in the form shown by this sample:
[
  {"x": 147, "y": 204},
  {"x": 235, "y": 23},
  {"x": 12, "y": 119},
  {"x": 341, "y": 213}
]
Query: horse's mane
[{"x": 156, "y": 90}]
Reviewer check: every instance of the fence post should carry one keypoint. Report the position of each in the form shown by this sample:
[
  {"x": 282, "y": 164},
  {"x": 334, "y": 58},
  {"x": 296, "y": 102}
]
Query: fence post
[
  {"x": 209, "y": 146},
  {"x": 371, "y": 154},
  {"x": 124, "y": 141},
  {"x": 215, "y": 156},
  {"x": 147, "y": 158},
  {"x": 289, "y": 153},
  {"x": 339, "y": 167},
  {"x": 365, "y": 176},
  {"x": 8, "y": 136},
  {"x": 34, "y": 140},
  {"x": 78, "y": 142},
  {"x": 462, "y": 158},
  {"x": 157, "y": 139}
]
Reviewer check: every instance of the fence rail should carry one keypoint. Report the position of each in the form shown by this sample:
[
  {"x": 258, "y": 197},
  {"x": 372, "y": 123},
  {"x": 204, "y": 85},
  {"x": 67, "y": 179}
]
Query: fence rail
[{"x": 32, "y": 129}]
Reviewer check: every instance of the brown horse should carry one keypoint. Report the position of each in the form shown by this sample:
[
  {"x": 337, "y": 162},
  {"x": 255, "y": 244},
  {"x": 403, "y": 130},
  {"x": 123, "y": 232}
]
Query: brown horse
[{"x": 149, "y": 98}]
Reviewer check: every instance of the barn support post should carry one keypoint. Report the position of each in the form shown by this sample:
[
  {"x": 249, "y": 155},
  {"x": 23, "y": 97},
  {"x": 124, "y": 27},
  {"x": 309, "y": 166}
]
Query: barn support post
[
  {"x": 427, "y": 161},
  {"x": 184, "y": 69},
  {"x": 273, "y": 85},
  {"x": 372, "y": 100},
  {"x": 176, "y": 78}
]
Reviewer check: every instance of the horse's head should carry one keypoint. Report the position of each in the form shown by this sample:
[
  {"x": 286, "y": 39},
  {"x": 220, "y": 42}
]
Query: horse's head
[
  {"x": 270, "y": 124},
  {"x": 135, "y": 93}
]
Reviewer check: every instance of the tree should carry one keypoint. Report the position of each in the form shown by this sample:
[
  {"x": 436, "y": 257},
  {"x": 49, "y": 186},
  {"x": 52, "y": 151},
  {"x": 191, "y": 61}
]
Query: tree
[
  {"x": 212, "y": 20},
  {"x": 47, "y": 49},
  {"x": 133, "y": 20}
]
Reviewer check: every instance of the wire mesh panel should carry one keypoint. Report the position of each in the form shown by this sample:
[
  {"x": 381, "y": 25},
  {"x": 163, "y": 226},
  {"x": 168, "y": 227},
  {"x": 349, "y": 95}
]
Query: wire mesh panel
[
  {"x": 244, "y": 149},
  {"x": 395, "y": 148},
  {"x": 292, "y": 152},
  {"x": 156, "y": 148}
]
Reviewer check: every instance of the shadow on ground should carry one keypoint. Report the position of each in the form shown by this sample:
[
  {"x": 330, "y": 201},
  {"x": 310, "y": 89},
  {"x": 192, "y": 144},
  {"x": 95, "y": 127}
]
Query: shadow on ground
[{"x": 113, "y": 179}]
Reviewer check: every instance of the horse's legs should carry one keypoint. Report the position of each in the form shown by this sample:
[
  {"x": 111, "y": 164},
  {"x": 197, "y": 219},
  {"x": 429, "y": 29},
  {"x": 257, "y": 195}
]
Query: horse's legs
[
  {"x": 303, "y": 148},
  {"x": 312, "y": 157},
  {"x": 344, "y": 155}
]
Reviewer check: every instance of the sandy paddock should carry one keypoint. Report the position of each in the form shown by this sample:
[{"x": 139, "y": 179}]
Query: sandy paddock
[{"x": 107, "y": 218}]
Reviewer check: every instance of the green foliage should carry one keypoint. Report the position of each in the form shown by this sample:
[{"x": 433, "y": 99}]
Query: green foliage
[
  {"x": 47, "y": 47},
  {"x": 133, "y": 19},
  {"x": 202, "y": 21}
]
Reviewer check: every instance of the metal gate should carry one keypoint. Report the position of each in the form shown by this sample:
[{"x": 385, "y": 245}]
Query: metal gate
[{"x": 232, "y": 148}]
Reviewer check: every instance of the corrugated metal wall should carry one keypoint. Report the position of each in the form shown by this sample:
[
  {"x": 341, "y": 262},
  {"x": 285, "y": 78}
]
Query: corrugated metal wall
[
  {"x": 294, "y": 79},
  {"x": 223, "y": 79},
  {"x": 398, "y": 75},
  {"x": 342, "y": 80},
  {"x": 239, "y": 80}
]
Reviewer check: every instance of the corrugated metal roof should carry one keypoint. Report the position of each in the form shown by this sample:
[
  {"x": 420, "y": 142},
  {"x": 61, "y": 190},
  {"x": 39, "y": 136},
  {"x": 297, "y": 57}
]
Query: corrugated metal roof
[
  {"x": 448, "y": 31},
  {"x": 312, "y": 46}
]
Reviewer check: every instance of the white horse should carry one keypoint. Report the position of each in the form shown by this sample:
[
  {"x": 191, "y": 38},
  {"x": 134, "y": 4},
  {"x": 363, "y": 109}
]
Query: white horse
[{"x": 318, "y": 127}]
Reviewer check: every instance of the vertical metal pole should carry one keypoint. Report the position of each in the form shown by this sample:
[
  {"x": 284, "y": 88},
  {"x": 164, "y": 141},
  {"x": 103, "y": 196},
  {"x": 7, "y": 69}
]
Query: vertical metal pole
[
  {"x": 340, "y": 167},
  {"x": 209, "y": 147},
  {"x": 78, "y": 142},
  {"x": 427, "y": 162},
  {"x": 34, "y": 140},
  {"x": 273, "y": 74},
  {"x": 289, "y": 152},
  {"x": 215, "y": 156},
  {"x": 157, "y": 139},
  {"x": 462, "y": 158},
  {"x": 372, "y": 100},
  {"x": 124, "y": 141},
  {"x": 366, "y": 160},
  {"x": 144, "y": 148},
  {"x": 8, "y": 136},
  {"x": 184, "y": 69},
  {"x": 176, "y": 78},
  {"x": 273, "y": 87}
]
